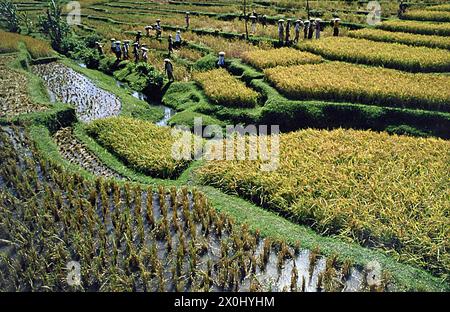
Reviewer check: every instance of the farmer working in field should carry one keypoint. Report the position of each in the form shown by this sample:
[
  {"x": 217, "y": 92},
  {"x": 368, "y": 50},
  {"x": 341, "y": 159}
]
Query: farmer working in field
[
  {"x": 178, "y": 40},
  {"x": 118, "y": 50},
  {"x": 113, "y": 45},
  {"x": 305, "y": 29},
  {"x": 298, "y": 25},
  {"x": 264, "y": 21},
  {"x": 221, "y": 61},
  {"x": 170, "y": 46},
  {"x": 188, "y": 20},
  {"x": 158, "y": 29},
  {"x": 168, "y": 68},
  {"x": 99, "y": 47},
  {"x": 147, "y": 30},
  {"x": 280, "y": 31},
  {"x": 401, "y": 9},
  {"x": 125, "y": 49},
  {"x": 288, "y": 33},
  {"x": 312, "y": 25},
  {"x": 335, "y": 23},
  {"x": 136, "y": 51},
  {"x": 138, "y": 37},
  {"x": 144, "y": 54},
  {"x": 318, "y": 20}
]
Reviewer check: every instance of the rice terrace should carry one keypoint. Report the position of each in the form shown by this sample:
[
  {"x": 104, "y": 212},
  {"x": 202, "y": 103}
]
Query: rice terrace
[{"x": 135, "y": 138}]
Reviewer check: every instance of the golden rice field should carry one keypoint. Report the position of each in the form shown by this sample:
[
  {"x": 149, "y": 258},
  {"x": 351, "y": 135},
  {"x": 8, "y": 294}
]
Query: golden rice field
[
  {"x": 37, "y": 48},
  {"x": 403, "y": 38},
  {"x": 224, "y": 89},
  {"x": 143, "y": 145},
  {"x": 9, "y": 42},
  {"x": 389, "y": 192},
  {"x": 391, "y": 55},
  {"x": 336, "y": 81},
  {"x": 427, "y": 15},
  {"x": 441, "y": 7},
  {"x": 262, "y": 59},
  {"x": 417, "y": 27}
]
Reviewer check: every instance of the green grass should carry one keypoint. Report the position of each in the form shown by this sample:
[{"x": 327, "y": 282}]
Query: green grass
[
  {"x": 187, "y": 118},
  {"x": 184, "y": 95}
]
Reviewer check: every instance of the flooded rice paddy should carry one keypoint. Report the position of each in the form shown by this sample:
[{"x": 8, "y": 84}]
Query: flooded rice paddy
[{"x": 68, "y": 86}]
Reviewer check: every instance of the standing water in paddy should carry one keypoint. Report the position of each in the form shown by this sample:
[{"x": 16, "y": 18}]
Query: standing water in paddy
[
  {"x": 168, "y": 112},
  {"x": 66, "y": 85}
]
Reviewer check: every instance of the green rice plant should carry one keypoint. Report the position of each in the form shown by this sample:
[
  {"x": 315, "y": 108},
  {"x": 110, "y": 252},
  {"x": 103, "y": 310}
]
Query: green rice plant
[
  {"x": 141, "y": 144},
  {"x": 440, "y": 7},
  {"x": 224, "y": 89},
  {"x": 416, "y": 27},
  {"x": 263, "y": 59},
  {"x": 336, "y": 81},
  {"x": 430, "y": 41},
  {"x": 391, "y": 55}
]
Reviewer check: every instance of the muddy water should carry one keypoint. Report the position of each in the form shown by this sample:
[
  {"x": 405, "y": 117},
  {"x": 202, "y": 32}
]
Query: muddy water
[
  {"x": 168, "y": 112},
  {"x": 68, "y": 86}
]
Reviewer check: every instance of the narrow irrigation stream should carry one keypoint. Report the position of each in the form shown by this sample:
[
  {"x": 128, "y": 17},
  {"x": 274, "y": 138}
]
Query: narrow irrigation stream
[{"x": 168, "y": 112}]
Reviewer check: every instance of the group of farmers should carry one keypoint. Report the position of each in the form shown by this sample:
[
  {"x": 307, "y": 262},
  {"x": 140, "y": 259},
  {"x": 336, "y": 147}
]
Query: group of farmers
[
  {"x": 140, "y": 51},
  {"x": 310, "y": 29}
]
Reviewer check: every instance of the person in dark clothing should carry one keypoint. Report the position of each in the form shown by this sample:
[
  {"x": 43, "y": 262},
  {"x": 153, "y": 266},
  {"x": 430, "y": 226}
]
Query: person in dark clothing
[
  {"x": 170, "y": 46},
  {"x": 221, "y": 62},
  {"x": 125, "y": 48},
  {"x": 168, "y": 68},
  {"x": 297, "y": 28},
  {"x": 280, "y": 31},
  {"x": 312, "y": 26},
  {"x": 113, "y": 45},
  {"x": 158, "y": 29},
  {"x": 138, "y": 37},
  {"x": 287, "y": 40},
  {"x": 188, "y": 20},
  {"x": 144, "y": 54},
  {"x": 306, "y": 29},
  {"x": 178, "y": 40},
  {"x": 99, "y": 47},
  {"x": 335, "y": 24},
  {"x": 118, "y": 50},
  {"x": 264, "y": 21}
]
